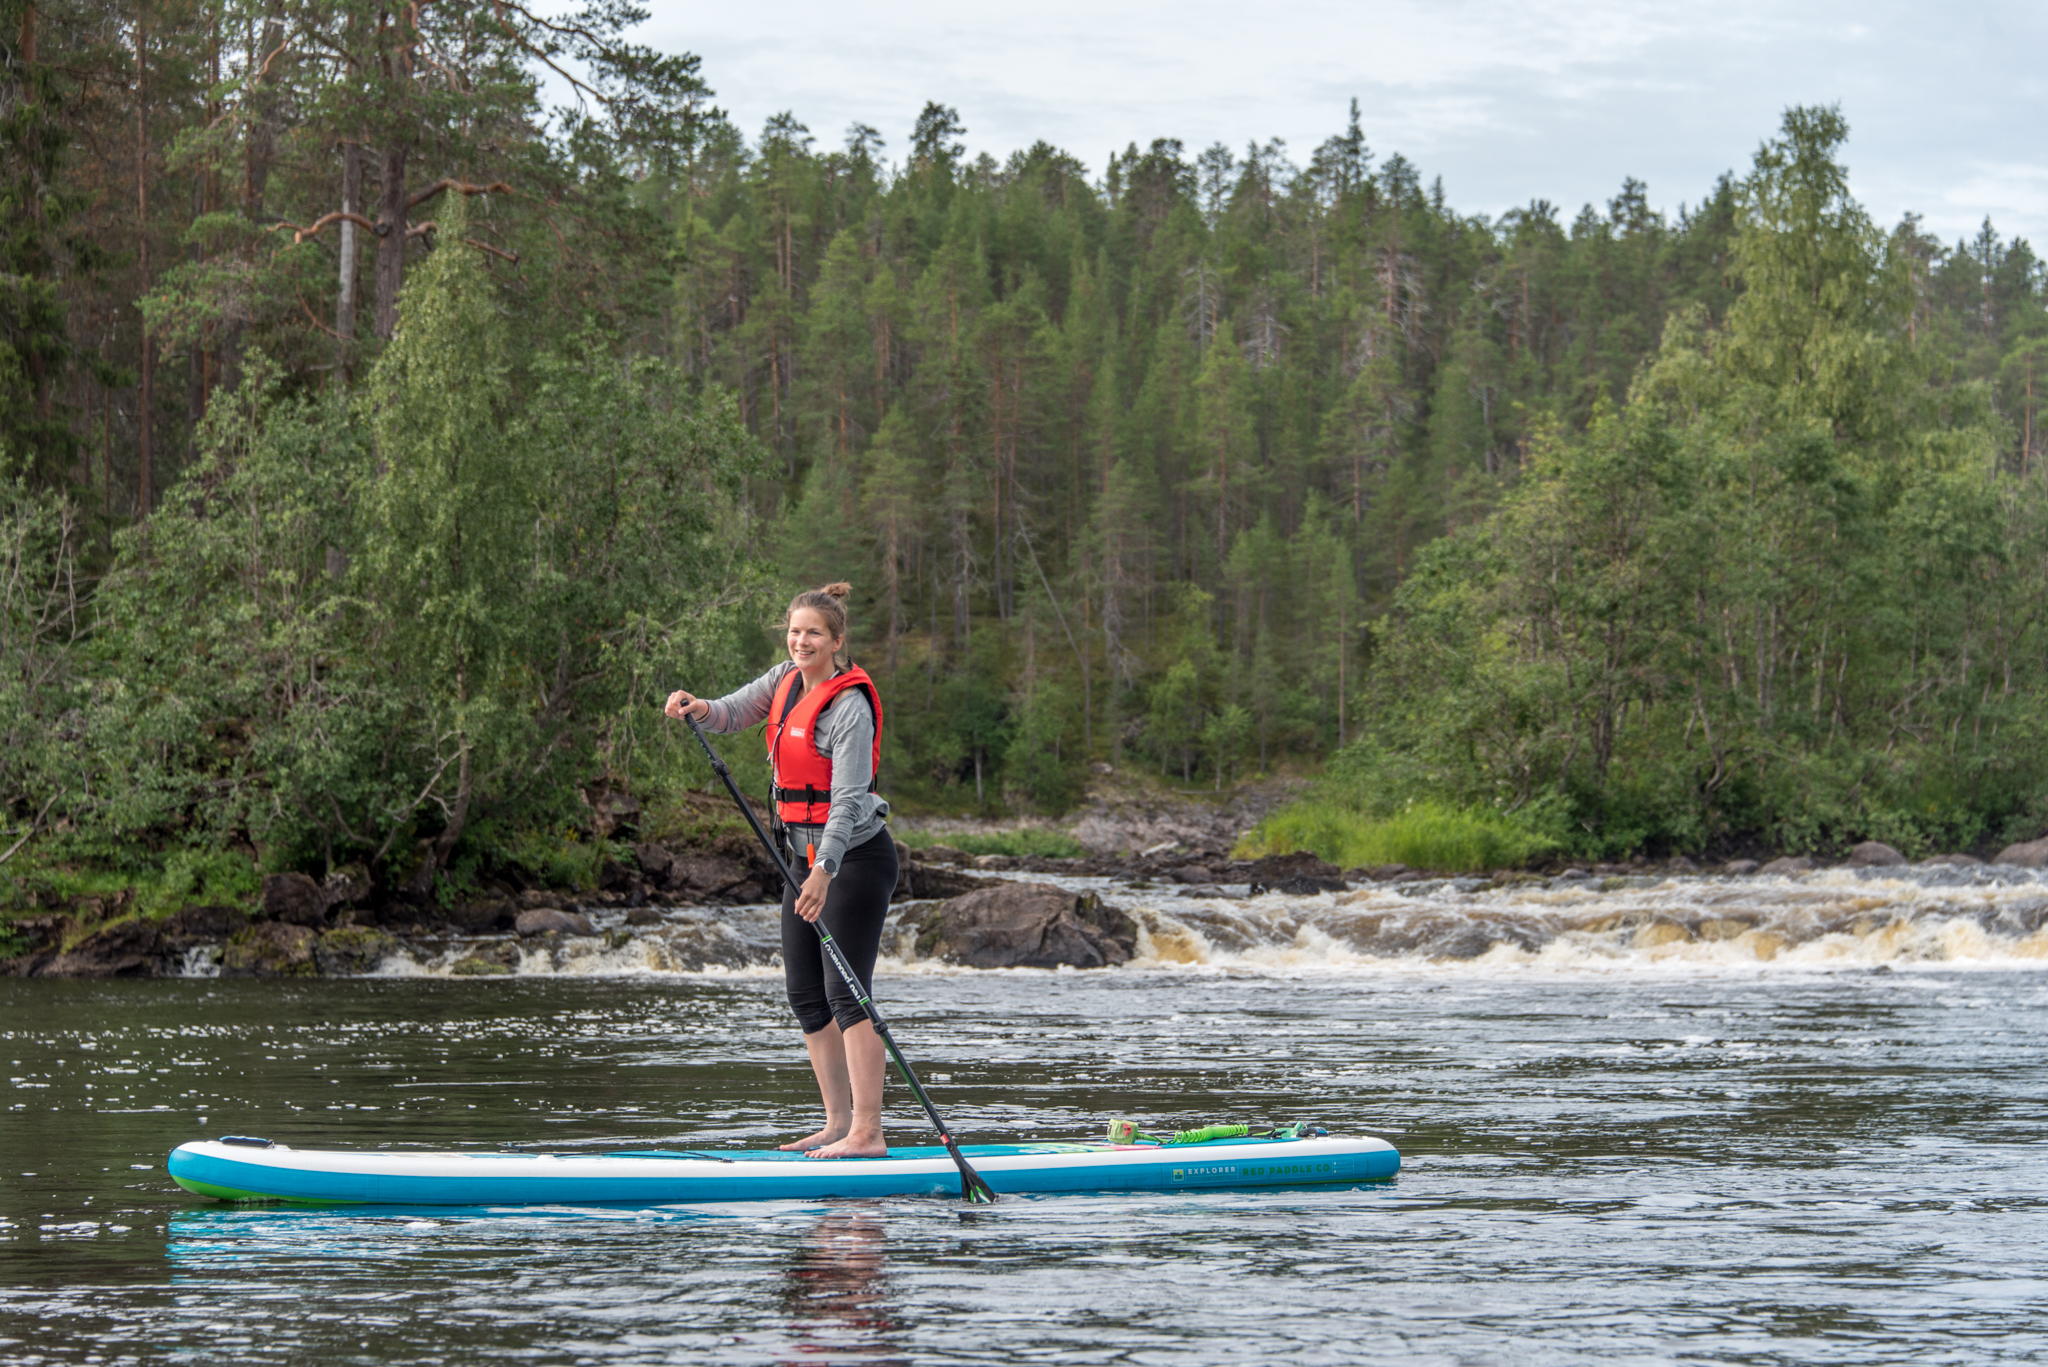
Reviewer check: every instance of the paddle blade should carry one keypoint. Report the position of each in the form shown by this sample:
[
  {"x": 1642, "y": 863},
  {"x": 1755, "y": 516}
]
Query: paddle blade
[{"x": 973, "y": 1189}]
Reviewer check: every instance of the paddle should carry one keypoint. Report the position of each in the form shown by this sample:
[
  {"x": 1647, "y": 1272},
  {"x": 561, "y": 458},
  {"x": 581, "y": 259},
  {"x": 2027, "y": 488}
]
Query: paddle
[{"x": 972, "y": 1187}]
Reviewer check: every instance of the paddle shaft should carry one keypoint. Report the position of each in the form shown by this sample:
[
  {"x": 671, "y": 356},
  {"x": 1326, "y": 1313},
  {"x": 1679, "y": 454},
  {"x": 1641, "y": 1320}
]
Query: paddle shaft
[{"x": 972, "y": 1187}]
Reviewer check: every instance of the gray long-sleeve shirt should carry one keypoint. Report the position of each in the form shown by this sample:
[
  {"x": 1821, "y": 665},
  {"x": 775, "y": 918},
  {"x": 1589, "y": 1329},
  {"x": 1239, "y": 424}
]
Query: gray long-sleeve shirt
[{"x": 845, "y": 734}]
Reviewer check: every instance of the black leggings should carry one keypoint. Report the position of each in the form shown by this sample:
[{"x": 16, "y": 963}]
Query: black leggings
[{"x": 855, "y": 907}]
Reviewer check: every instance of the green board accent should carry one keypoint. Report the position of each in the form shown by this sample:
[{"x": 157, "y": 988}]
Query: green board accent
[{"x": 232, "y": 1194}]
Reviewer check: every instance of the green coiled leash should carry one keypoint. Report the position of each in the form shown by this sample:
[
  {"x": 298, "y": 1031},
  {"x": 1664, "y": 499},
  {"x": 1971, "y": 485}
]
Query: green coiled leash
[{"x": 1127, "y": 1132}]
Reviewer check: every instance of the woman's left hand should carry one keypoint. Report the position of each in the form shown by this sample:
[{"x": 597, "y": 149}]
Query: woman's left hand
[{"x": 810, "y": 900}]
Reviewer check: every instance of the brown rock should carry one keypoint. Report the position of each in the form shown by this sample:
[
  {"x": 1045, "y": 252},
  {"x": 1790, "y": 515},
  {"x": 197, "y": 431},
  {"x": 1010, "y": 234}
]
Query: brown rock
[
  {"x": 643, "y": 916},
  {"x": 126, "y": 950},
  {"x": 919, "y": 881},
  {"x": 351, "y": 951},
  {"x": 542, "y": 920},
  {"x": 202, "y": 925},
  {"x": 2030, "y": 854},
  {"x": 711, "y": 875},
  {"x": 1739, "y": 867},
  {"x": 1788, "y": 865},
  {"x": 1955, "y": 860},
  {"x": 481, "y": 918},
  {"x": 1027, "y": 925},
  {"x": 294, "y": 899},
  {"x": 269, "y": 950},
  {"x": 654, "y": 860},
  {"x": 1659, "y": 933},
  {"x": 539, "y": 898},
  {"x": 1874, "y": 854},
  {"x": 1190, "y": 873},
  {"x": 1300, "y": 864},
  {"x": 942, "y": 854}
]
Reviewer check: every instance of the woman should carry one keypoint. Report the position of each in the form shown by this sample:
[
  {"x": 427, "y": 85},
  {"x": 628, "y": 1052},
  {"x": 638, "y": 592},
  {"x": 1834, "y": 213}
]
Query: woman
[{"x": 824, "y": 743}]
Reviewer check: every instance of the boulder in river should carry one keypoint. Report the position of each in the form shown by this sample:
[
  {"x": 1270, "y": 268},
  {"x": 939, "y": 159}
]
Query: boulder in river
[
  {"x": 1874, "y": 854},
  {"x": 1027, "y": 925},
  {"x": 543, "y": 920},
  {"x": 918, "y": 881},
  {"x": 1739, "y": 867},
  {"x": 270, "y": 949},
  {"x": 350, "y": 951},
  {"x": 1788, "y": 865},
  {"x": 1299, "y": 874},
  {"x": 1954, "y": 860},
  {"x": 2029, "y": 854}
]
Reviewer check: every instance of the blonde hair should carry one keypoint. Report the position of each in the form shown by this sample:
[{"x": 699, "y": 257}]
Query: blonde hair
[{"x": 829, "y": 603}]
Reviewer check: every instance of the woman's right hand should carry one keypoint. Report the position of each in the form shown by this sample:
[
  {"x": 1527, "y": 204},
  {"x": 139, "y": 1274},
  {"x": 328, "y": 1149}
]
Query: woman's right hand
[{"x": 683, "y": 704}]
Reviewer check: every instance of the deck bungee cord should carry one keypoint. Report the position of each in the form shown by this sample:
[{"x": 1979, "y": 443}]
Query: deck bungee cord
[{"x": 972, "y": 1188}]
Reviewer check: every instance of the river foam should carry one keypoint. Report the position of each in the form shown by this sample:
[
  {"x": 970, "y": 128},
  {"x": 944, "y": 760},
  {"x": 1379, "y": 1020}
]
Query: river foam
[{"x": 1989, "y": 916}]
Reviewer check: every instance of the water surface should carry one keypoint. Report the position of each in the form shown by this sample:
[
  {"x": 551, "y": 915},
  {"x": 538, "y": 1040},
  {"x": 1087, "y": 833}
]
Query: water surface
[{"x": 1690, "y": 1161}]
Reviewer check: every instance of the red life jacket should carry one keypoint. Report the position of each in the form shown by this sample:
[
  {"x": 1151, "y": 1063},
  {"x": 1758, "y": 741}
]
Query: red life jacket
[{"x": 803, "y": 775}]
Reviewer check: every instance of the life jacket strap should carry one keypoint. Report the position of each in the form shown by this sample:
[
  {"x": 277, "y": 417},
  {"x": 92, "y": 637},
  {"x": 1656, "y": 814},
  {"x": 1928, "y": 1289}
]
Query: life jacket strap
[{"x": 809, "y": 796}]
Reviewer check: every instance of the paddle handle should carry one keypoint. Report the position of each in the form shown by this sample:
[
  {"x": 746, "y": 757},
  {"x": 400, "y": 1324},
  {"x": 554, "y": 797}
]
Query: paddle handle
[{"x": 972, "y": 1187}]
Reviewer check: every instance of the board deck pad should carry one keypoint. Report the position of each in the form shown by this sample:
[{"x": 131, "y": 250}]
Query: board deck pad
[{"x": 245, "y": 1170}]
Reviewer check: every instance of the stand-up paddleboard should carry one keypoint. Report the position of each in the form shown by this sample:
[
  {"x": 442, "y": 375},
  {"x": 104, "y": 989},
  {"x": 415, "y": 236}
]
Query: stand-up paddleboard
[{"x": 241, "y": 1169}]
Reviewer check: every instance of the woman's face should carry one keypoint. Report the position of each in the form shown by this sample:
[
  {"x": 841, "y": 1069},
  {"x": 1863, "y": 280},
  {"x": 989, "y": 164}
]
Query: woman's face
[{"x": 810, "y": 643}]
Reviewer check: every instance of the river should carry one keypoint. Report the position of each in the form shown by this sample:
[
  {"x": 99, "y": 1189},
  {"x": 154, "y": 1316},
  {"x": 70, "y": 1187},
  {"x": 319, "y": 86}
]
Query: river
[{"x": 1822, "y": 1143}]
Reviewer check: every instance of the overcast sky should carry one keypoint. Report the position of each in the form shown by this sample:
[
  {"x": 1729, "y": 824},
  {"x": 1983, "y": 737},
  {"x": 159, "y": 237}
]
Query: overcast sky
[{"x": 1508, "y": 102}]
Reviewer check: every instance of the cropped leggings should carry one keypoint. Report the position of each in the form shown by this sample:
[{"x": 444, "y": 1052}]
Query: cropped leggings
[{"x": 855, "y": 906}]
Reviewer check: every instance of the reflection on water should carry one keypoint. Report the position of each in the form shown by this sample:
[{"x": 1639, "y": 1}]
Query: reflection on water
[
  {"x": 1740, "y": 1167},
  {"x": 834, "y": 1293}
]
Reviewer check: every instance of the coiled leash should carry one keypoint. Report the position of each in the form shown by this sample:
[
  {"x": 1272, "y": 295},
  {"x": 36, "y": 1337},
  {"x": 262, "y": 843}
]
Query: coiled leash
[{"x": 1127, "y": 1132}]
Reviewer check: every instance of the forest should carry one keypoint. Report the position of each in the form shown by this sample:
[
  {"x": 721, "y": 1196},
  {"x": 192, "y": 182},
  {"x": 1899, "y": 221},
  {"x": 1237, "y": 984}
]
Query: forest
[{"x": 378, "y": 444}]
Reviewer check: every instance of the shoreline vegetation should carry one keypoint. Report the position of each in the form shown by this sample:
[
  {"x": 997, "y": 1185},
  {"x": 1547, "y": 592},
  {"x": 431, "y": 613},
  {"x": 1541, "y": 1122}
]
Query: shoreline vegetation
[{"x": 365, "y": 486}]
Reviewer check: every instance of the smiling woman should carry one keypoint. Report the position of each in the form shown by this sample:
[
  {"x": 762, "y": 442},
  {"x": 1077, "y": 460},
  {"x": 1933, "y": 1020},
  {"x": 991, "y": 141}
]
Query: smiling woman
[{"x": 824, "y": 738}]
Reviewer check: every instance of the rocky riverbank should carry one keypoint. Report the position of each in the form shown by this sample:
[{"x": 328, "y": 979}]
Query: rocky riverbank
[{"x": 689, "y": 907}]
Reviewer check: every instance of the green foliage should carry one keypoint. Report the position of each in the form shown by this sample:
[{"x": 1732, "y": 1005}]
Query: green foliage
[
  {"x": 358, "y": 628},
  {"x": 200, "y": 878},
  {"x": 1673, "y": 530},
  {"x": 1022, "y": 842},
  {"x": 1775, "y": 596},
  {"x": 1422, "y": 835}
]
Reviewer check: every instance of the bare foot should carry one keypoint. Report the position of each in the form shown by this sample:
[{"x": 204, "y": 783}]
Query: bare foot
[
  {"x": 859, "y": 1144},
  {"x": 823, "y": 1137}
]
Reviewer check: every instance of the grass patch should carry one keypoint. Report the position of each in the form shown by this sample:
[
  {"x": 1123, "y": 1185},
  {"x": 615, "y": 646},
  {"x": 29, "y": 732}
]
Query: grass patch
[
  {"x": 1020, "y": 843},
  {"x": 1422, "y": 835}
]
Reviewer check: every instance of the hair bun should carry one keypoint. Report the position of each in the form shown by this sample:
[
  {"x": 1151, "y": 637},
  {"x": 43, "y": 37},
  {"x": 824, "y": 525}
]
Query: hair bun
[{"x": 836, "y": 590}]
